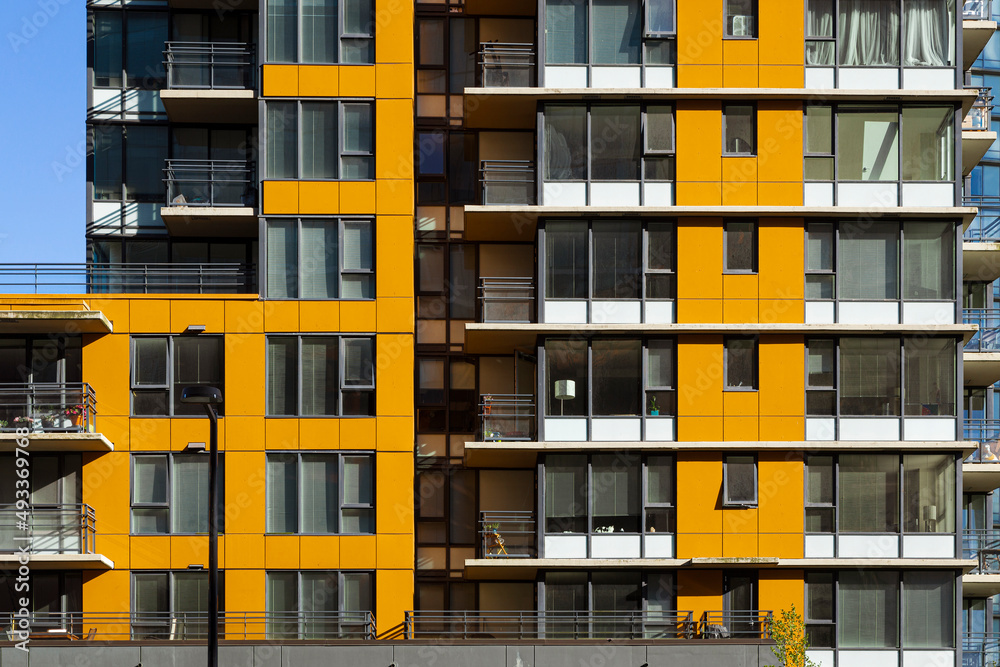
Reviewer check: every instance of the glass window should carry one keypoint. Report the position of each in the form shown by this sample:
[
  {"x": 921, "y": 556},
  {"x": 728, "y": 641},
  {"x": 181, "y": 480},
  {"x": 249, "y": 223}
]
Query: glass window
[
  {"x": 929, "y": 493},
  {"x": 307, "y": 493},
  {"x": 660, "y": 16},
  {"x": 282, "y": 143},
  {"x": 741, "y": 246},
  {"x": 868, "y": 261},
  {"x": 819, "y": 611},
  {"x": 821, "y": 394},
  {"x": 819, "y": 494},
  {"x": 740, "y": 123},
  {"x": 617, "y": 377},
  {"x": 145, "y": 35},
  {"x": 329, "y": 34},
  {"x": 108, "y": 49},
  {"x": 928, "y": 609},
  {"x": 928, "y": 144},
  {"x": 617, "y": 260},
  {"x": 660, "y": 261},
  {"x": 320, "y": 140},
  {"x": 868, "y": 607},
  {"x": 740, "y": 18},
  {"x": 660, "y": 395},
  {"x": 819, "y": 23},
  {"x": 929, "y": 261},
  {"x": 614, "y": 143},
  {"x": 566, "y": 373},
  {"x": 869, "y": 376},
  {"x": 819, "y": 140},
  {"x": 869, "y": 493},
  {"x": 565, "y": 31},
  {"x": 740, "y": 480},
  {"x": 930, "y": 371},
  {"x": 566, "y": 494},
  {"x": 929, "y": 34},
  {"x": 566, "y": 268},
  {"x": 615, "y": 493},
  {"x": 869, "y": 33},
  {"x": 868, "y": 142},
  {"x": 741, "y": 363},
  {"x": 170, "y": 493},
  {"x": 313, "y": 376},
  {"x": 108, "y": 165},
  {"x": 565, "y": 143},
  {"x": 328, "y": 268},
  {"x": 305, "y": 605},
  {"x": 616, "y": 32},
  {"x": 163, "y": 366},
  {"x": 820, "y": 277}
]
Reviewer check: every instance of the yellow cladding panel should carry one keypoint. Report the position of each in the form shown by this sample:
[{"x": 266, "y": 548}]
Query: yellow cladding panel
[
  {"x": 699, "y": 376},
  {"x": 739, "y": 286},
  {"x": 394, "y": 374},
  {"x": 281, "y": 433},
  {"x": 394, "y": 139},
  {"x": 738, "y": 170},
  {"x": 149, "y": 435},
  {"x": 320, "y": 433},
  {"x": 739, "y": 404},
  {"x": 188, "y": 550},
  {"x": 106, "y": 489},
  {"x": 149, "y": 316},
  {"x": 116, "y": 310},
  {"x": 357, "y": 316},
  {"x": 782, "y": 376},
  {"x": 394, "y": 315},
  {"x": 245, "y": 317},
  {"x": 394, "y": 80},
  {"x": 106, "y": 368},
  {"x": 356, "y": 433},
  {"x": 394, "y": 551},
  {"x": 393, "y": 597},
  {"x": 699, "y": 482},
  {"x": 780, "y": 33},
  {"x": 280, "y": 80},
  {"x": 736, "y": 52},
  {"x": 394, "y": 256},
  {"x": 394, "y": 196},
  {"x": 699, "y": 155},
  {"x": 699, "y": 32},
  {"x": 319, "y": 80},
  {"x": 739, "y": 194},
  {"x": 781, "y": 248},
  {"x": 319, "y": 197},
  {"x": 245, "y": 433},
  {"x": 699, "y": 590},
  {"x": 739, "y": 76},
  {"x": 149, "y": 552},
  {"x": 780, "y": 491},
  {"x": 739, "y": 545},
  {"x": 281, "y": 317},
  {"x": 740, "y": 429},
  {"x": 246, "y": 591},
  {"x": 107, "y": 592},
  {"x": 782, "y": 428},
  {"x": 245, "y": 551},
  {"x": 739, "y": 311},
  {"x": 357, "y": 552},
  {"x": 319, "y": 316},
  {"x": 782, "y": 310},
  {"x": 393, "y": 31},
  {"x": 245, "y": 374},
  {"x": 780, "y": 589},
  {"x": 357, "y": 81},
  {"x": 357, "y": 197},
  {"x": 699, "y": 194},
  {"x": 779, "y": 141},
  {"x": 779, "y": 194},
  {"x": 281, "y": 552},
  {"x": 394, "y": 434},
  {"x": 280, "y": 198},
  {"x": 699, "y": 310},
  {"x": 781, "y": 76},
  {"x": 692, "y": 429},
  {"x": 184, "y": 312},
  {"x": 699, "y": 76},
  {"x": 320, "y": 552},
  {"x": 394, "y": 492},
  {"x": 246, "y": 492},
  {"x": 699, "y": 258}
]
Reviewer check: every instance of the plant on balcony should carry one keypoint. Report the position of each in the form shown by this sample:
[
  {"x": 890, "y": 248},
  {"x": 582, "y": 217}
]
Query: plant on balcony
[
  {"x": 76, "y": 414},
  {"x": 788, "y": 631},
  {"x": 654, "y": 409}
]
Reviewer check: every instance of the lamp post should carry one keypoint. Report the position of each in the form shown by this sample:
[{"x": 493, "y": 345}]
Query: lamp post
[{"x": 210, "y": 397}]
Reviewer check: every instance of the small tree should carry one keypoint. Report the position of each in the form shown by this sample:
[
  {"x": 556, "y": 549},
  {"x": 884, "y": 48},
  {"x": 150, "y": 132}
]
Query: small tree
[{"x": 788, "y": 631}]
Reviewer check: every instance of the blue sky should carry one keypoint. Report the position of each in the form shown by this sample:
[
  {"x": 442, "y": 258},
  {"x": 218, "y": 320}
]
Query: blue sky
[{"x": 43, "y": 75}]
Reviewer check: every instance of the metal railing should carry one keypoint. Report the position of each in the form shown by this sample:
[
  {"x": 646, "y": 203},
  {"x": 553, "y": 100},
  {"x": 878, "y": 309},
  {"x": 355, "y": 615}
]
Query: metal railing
[
  {"x": 550, "y": 625},
  {"x": 983, "y": 545},
  {"x": 507, "y": 64},
  {"x": 209, "y": 65},
  {"x": 986, "y": 432},
  {"x": 55, "y": 529},
  {"x": 507, "y": 299},
  {"x": 507, "y": 534},
  {"x": 979, "y": 115},
  {"x": 210, "y": 183},
  {"x": 233, "y": 625},
  {"x": 507, "y": 417},
  {"x": 985, "y": 226},
  {"x": 752, "y": 624},
  {"x": 48, "y": 407},
  {"x": 987, "y": 339},
  {"x": 980, "y": 649},
  {"x": 507, "y": 182},
  {"x": 976, "y": 10},
  {"x": 128, "y": 278}
]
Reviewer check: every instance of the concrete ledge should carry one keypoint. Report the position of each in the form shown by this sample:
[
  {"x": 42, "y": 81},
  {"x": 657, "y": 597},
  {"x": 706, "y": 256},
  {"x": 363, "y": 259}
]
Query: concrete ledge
[
  {"x": 980, "y": 585},
  {"x": 981, "y": 369},
  {"x": 59, "y": 562},
  {"x": 980, "y": 260},
  {"x": 53, "y": 321},
  {"x": 980, "y": 477},
  {"x": 58, "y": 442}
]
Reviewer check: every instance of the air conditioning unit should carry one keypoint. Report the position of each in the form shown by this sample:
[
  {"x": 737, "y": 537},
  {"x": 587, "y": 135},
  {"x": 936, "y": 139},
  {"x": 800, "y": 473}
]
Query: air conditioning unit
[{"x": 742, "y": 26}]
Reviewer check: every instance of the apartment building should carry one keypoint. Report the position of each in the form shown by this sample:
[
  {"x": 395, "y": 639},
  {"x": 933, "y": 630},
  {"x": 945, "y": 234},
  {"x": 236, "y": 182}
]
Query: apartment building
[{"x": 538, "y": 325}]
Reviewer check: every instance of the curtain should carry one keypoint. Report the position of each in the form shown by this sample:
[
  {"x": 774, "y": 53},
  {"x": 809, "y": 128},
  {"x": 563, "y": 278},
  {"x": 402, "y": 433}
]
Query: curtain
[
  {"x": 320, "y": 373},
  {"x": 869, "y": 605},
  {"x": 320, "y": 259},
  {"x": 928, "y": 609},
  {"x": 616, "y": 32},
  {"x": 282, "y": 29},
  {"x": 565, "y": 32},
  {"x": 869, "y": 376},
  {"x": 319, "y": 31},
  {"x": 615, "y": 493},
  {"x": 320, "y": 504},
  {"x": 565, "y": 143},
  {"x": 282, "y": 376},
  {"x": 869, "y": 33},
  {"x": 869, "y": 493},
  {"x": 190, "y": 494},
  {"x": 869, "y": 260},
  {"x": 929, "y": 33},
  {"x": 282, "y": 259},
  {"x": 819, "y": 17},
  {"x": 614, "y": 143},
  {"x": 282, "y": 507},
  {"x": 617, "y": 260}
]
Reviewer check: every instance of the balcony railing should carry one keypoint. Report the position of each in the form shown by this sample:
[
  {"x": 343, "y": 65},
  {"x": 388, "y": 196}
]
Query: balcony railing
[
  {"x": 986, "y": 432},
  {"x": 749, "y": 624},
  {"x": 987, "y": 339},
  {"x": 983, "y": 545},
  {"x": 48, "y": 407},
  {"x": 976, "y": 10},
  {"x": 128, "y": 278},
  {"x": 979, "y": 115},
  {"x": 508, "y": 182},
  {"x": 986, "y": 225},
  {"x": 507, "y": 65},
  {"x": 210, "y": 183},
  {"x": 56, "y": 529},
  {"x": 506, "y": 625},
  {"x": 209, "y": 65},
  {"x": 507, "y": 535},
  {"x": 980, "y": 649},
  {"x": 507, "y": 299},
  {"x": 507, "y": 417},
  {"x": 160, "y": 626}
]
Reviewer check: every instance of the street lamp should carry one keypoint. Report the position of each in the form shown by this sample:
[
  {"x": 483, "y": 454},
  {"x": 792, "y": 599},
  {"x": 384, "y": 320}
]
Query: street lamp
[{"x": 211, "y": 397}]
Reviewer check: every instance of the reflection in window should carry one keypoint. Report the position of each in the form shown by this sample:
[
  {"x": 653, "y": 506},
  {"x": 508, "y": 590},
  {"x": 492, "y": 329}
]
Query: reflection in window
[{"x": 868, "y": 144}]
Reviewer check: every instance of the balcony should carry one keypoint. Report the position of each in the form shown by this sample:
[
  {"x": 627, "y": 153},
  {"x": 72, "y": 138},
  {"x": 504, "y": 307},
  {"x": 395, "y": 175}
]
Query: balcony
[
  {"x": 210, "y": 198},
  {"x": 55, "y": 416},
  {"x": 210, "y": 82},
  {"x": 180, "y": 626},
  {"x": 982, "y": 546},
  {"x": 55, "y": 536},
  {"x": 508, "y": 182},
  {"x": 507, "y": 65},
  {"x": 977, "y": 28},
  {"x": 507, "y": 535},
  {"x": 976, "y": 135},
  {"x": 507, "y": 300},
  {"x": 981, "y": 240},
  {"x": 45, "y": 315},
  {"x": 980, "y": 649},
  {"x": 982, "y": 352},
  {"x": 507, "y": 417},
  {"x": 978, "y": 473},
  {"x": 129, "y": 278}
]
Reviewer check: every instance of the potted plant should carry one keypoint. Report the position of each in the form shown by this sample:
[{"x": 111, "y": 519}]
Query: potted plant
[
  {"x": 76, "y": 415},
  {"x": 26, "y": 422},
  {"x": 654, "y": 409}
]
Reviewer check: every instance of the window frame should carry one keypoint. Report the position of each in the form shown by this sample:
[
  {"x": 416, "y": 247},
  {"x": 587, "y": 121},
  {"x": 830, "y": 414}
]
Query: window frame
[
  {"x": 755, "y": 351},
  {"x": 726, "y": 15},
  {"x": 341, "y": 380},
  {"x": 297, "y": 221},
  {"x": 170, "y": 504},
  {"x": 643, "y": 579},
  {"x": 170, "y": 372},
  {"x": 754, "y": 252},
  {"x": 146, "y": 82},
  {"x": 753, "y": 124},
  {"x": 265, "y": 34},
  {"x": 138, "y": 617},
  {"x": 727, "y": 460},
  {"x": 340, "y": 102},
  {"x": 341, "y": 504}
]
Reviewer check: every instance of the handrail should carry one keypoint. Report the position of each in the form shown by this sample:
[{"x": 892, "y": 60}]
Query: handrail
[
  {"x": 507, "y": 416},
  {"x": 48, "y": 407},
  {"x": 983, "y": 545},
  {"x": 976, "y": 10},
  {"x": 128, "y": 277},
  {"x": 508, "y": 534},
  {"x": 59, "y": 529},
  {"x": 507, "y": 299},
  {"x": 209, "y": 65},
  {"x": 751, "y": 623},
  {"x": 210, "y": 183},
  {"x": 507, "y": 181},
  {"x": 987, "y": 338},
  {"x": 981, "y": 112},
  {"x": 456, "y": 624},
  {"x": 506, "y": 64}
]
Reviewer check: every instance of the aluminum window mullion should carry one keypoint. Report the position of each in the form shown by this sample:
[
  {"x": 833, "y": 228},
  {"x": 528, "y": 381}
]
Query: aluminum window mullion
[
  {"x": 340, "y": 255},
  {"x": 298, "y": 376}
]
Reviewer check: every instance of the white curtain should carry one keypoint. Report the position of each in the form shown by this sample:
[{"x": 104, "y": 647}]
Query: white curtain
[
  {"x": 929, "y": 33},
  {"x": 869, "y": 33},
  {"x": 820, "y": 19}
]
